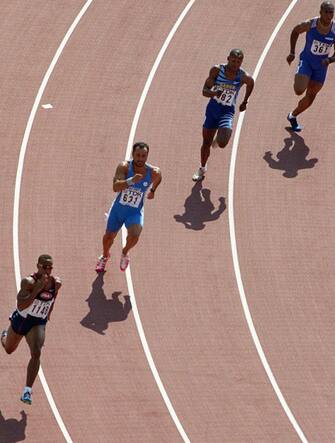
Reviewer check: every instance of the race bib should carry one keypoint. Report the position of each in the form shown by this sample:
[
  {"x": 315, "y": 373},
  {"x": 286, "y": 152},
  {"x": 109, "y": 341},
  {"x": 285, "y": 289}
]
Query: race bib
[
  {"x": 131, "y": 197},
  {"x": 40, "y": 308},
  {"x": 321, "y": 48},
  {"x": 227, "y": 96}
]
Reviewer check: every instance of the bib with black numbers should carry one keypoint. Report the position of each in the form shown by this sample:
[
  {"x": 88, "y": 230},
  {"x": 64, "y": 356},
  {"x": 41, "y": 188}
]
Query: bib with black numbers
[
  {"x": 40, "y": 308},
  {"x": 131, "y": 197},
  {"x": 320, "y": 48},
  {"x": 227, "y": 96}
]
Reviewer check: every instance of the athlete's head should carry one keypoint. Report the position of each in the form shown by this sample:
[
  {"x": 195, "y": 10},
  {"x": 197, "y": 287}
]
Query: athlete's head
[
  {"x": 45, "y": 264},
  {"x": 326, "y": 12},
  {"x": 140, "y": 153},
  {"x": 235, "y": 59}
]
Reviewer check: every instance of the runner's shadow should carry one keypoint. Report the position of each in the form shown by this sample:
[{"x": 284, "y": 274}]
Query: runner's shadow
[
  {"x": 12, "y": 430},
  {"x": 199, "y": 208},
  {"x": 103, "y": 310},
  {"x": 292, "y": 157}
]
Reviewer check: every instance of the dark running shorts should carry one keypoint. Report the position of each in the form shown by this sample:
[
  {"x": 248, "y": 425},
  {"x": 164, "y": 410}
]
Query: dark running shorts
[{"x": 23, "y": 325}]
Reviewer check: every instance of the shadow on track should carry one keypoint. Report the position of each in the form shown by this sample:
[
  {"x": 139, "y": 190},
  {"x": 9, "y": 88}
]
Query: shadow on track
[
  {"x": 292, "y": 157},
  {"x": 103, "y": 310},
  {"x": 199, "y": 209},
  {"x": 12, "y": 430}
]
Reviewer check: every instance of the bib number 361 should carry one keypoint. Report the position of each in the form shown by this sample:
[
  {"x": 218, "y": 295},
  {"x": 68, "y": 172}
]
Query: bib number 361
[{"x": 320, "y": 48}]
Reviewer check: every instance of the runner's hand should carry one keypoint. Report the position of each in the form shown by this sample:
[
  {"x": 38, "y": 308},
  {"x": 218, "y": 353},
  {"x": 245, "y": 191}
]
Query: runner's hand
[
  {"x": 41, "y": 282},
  {"x": 150, "y": 195},
  {"x": 325, "y": 61},
  {"x": 290, "y": 58},
  {"x": 137, "y": 178}
]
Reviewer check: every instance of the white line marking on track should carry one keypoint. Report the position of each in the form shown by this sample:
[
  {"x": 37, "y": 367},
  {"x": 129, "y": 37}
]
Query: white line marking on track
[
  {"x": 17, "y": 197},
  {"x": 124, "y": 232},
  {"x": 47, "y": 106},
  {"x": 234, "y": 245}
]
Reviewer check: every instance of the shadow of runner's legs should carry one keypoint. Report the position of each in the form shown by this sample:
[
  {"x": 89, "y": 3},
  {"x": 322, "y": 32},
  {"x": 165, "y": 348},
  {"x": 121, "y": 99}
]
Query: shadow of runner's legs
[
  {"x": 104, "y": 310},
  {"x": 199, "y": 208},
  {"x": 292, "y": 158}
]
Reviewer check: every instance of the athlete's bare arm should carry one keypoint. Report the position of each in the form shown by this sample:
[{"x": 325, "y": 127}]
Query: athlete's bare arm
[
  {"x": 210, "y": 82},
  {"x": 296, "y": 31},
  {"x": 120, "y": 182},
  {"x": 156, "y": 180},
  {"x": 29, "y": 291},
  {"x": 249, "y": 82},
  {"x": 58, "y": 285}
]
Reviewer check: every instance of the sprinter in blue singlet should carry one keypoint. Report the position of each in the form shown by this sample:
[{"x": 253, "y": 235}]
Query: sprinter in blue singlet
[
  {"x": 314, "y": 59},
  {"x": 222, "y": 87},
  {"x": 133, "y": 180}
]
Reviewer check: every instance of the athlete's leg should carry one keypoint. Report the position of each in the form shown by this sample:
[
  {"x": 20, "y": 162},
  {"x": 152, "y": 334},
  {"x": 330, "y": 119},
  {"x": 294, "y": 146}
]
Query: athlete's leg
[
  {"x": 313, "y": 89},
  {"x": 134, "y": 232},
  {"x": 301, "y": 83},
  {"x": 208, "y": 137},
  {"x": 107, "y": 242},
  {"x": 10, "y": 340},
  {"x": 35, "y": 339},
  {"x": 223, "y": 137}
]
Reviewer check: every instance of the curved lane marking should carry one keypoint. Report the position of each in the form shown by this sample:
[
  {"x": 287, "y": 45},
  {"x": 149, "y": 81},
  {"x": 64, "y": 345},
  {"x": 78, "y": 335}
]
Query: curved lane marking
[
  {"x": 124, "y": 232},
  {"x": 234, "y": 244},
  {"x": 17, "y": 198}
]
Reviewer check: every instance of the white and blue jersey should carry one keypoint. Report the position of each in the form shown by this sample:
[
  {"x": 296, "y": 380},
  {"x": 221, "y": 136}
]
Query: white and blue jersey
[
  {"x": 317, "y": 48},
  {"x": 220, "y": 110},
  {"x": 127, "y": 208}
]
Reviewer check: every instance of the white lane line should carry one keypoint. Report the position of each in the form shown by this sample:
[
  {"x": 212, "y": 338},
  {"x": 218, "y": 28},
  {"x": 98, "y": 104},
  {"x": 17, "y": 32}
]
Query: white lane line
[
  {"x": 17, "y": 197},
  {"x": 124, "y": 232},
  {"x": 234, "y": 245}
]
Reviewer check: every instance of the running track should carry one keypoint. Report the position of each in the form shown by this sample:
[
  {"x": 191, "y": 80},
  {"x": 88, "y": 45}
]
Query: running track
[{"x": 183, "y": 277}]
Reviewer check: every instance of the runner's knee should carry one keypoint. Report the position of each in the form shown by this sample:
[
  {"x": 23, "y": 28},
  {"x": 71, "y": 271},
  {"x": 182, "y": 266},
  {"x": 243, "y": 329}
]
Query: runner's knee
[
  {"x": 35, "y": 354},
  {"x": 299, "y": 90}
]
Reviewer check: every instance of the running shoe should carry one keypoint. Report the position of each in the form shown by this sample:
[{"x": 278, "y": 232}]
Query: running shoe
[
  {"x": 100, "y": 267},
  {"x": 26, "y": 398},
  {"x": 294, "y": 123},
  {"x": 200, "y": 174},
  {"x": 124, "y": 262}
]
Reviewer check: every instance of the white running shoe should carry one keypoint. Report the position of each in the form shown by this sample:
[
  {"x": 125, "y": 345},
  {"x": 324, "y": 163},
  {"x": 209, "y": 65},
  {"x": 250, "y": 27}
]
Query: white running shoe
[
  {"x": 100, "y": 266},
  {"x": 124, "y": 262},
  {"x": 200, "y": 174}
]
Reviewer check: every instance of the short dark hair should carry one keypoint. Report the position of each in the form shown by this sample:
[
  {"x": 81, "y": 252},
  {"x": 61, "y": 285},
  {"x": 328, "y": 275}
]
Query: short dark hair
[
  {"x": 326, "y": 5},
  {"x": 140, "y": 145},
  {"x": 42, "y": 258},
  {"x": 236, "y": 52}
]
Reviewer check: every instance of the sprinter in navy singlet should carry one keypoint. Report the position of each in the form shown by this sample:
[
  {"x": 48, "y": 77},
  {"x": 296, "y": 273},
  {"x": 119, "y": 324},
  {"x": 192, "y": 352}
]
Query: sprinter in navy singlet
[
  {"x": 134, "y": 181},
  {"x": 222, "y": 87},
  {"x": 314, "y": 60},
  {"x": 35, "y": 302}
]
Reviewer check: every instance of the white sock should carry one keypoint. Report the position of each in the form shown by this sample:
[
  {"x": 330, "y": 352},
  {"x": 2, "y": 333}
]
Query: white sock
[{"x": 27, "y": 389}]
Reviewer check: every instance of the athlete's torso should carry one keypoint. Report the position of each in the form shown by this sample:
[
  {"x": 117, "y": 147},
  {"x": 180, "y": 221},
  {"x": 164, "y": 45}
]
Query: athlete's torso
[
  {"x": 41, "y": 305},
  {"x": 132, "y": 198},
  {"x": 318, "y": 46},
  {"x": 229, "y": 87}
]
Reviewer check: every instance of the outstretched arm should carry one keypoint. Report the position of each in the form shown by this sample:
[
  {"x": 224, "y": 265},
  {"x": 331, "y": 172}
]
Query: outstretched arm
[
  {"x": 249, "y": 82},
  {"x": 210, "y": 82},
  {"x": 29, "y": 291},
  {"x": 156, "y": 180},
  {"x": 297, "y": 30},
  {"x": 120, "y": 182}
]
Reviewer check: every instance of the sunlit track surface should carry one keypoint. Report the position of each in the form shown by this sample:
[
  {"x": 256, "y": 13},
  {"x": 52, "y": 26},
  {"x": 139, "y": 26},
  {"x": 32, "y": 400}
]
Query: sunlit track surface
[{"x": 183, "y": 278}]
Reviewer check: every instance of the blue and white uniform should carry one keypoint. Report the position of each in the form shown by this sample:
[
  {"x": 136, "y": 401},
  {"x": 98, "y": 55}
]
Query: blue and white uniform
[
  {"x": 220, "y": 110},
  {"x": 127, "y": 208},
  {"x": 35, "y": 314},
  {"x": 317, "y": 48}
]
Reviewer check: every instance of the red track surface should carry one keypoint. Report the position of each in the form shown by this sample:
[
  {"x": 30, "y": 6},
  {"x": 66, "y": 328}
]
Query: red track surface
[{"x": 183, "y": 277}]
